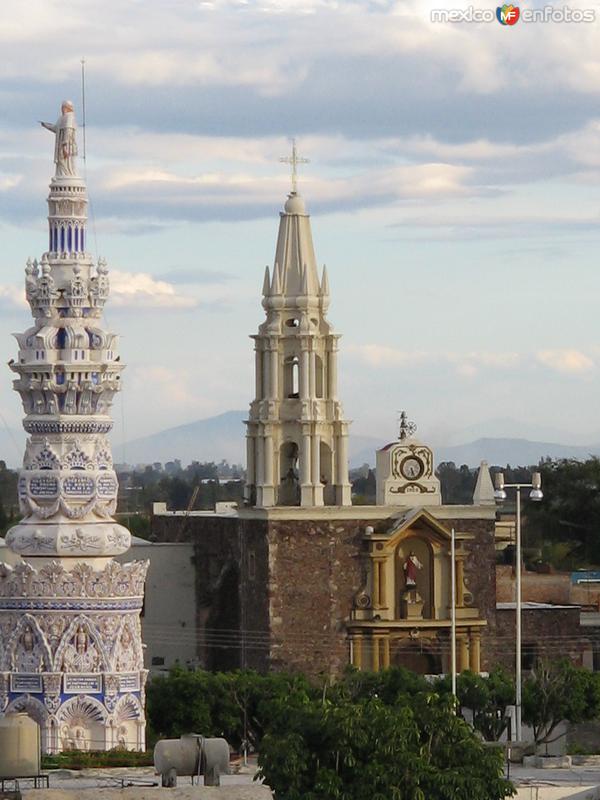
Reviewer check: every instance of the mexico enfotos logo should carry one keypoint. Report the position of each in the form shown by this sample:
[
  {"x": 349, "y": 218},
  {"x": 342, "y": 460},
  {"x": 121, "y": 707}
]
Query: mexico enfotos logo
[{"x": 509, "y": 15}]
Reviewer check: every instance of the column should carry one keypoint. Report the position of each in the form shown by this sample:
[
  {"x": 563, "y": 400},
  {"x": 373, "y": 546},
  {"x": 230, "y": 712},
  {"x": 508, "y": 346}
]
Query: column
[
  {"x": 260, "y": 454},
  {"x": 463, "y": 652},
  {"x": 257, "y": 370},
  {"x": 386, "y": 652},
  {"x": 375, "y": 583},
  {"x": 376, "y": 652},
  {"x": 475, "y": 651},
  {"x": 268, "y": 493},
  {"x": 312, "y": 383},
  {"x": 343, "y": 489},
  {"x": 304, "y": 374},
  {"x": 250, "y": 464},
  {"x": 332, "y": 372},
  {"x": 460, "y": 587},
  {"x": 316, "y": 470},
  {"x": 382, "y": 584},
  {"x": 342, "y": 476},
  {"x": 357, "y": 647},
  {"x": 268, "y": 456},
  {"x": 274, "y": 370},
  {"x": 266, "y": 387},
  {"x": 306, "y": 492}
]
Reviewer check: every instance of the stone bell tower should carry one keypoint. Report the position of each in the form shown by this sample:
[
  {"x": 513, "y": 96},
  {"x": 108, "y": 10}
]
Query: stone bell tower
[
  {"x": 70, "y": 638},
  {"x": 297, "y": 451}
]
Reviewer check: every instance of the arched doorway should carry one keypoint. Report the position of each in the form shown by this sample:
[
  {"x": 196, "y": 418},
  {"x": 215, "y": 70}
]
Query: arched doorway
[
  {"x": 419, "y": 657},
  {"x": 288, "y": 493}
]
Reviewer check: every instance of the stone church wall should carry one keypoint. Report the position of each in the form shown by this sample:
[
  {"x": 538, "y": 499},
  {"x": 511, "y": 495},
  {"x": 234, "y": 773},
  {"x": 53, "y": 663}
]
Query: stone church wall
[{"x": 289, "y": 586}]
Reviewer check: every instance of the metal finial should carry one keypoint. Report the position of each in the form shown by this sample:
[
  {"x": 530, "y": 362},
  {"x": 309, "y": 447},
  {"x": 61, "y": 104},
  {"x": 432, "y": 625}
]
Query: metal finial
[
  {"x": 294, "y": 160},
  {"x": 407, "y": 427}
]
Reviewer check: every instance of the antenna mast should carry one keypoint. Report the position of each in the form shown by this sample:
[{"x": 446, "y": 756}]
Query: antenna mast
[{"x": 83, "y": 104}]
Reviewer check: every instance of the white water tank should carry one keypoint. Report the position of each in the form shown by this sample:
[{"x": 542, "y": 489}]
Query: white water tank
[{"x": 19, "y": 746}]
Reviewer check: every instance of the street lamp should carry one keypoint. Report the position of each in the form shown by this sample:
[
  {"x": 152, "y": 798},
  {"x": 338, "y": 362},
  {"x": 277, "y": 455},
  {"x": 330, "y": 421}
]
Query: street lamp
[{"x": 535, "y": 494}]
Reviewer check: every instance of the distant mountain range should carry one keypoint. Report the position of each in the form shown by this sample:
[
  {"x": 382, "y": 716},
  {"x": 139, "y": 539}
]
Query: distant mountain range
[{"x": 222, "y": 437}]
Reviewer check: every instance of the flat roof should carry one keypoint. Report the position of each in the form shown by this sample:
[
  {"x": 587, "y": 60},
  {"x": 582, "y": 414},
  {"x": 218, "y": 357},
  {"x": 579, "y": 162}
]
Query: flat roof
[{"x": 529, "y": 606}]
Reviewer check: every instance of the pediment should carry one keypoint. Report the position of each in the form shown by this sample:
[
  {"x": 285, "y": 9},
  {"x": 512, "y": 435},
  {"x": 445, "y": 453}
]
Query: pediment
[{"x": 415, "y": 522}]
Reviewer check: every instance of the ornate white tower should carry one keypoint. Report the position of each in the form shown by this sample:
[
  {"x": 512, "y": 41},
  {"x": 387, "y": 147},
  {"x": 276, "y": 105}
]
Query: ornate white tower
[
  {"x": 297, "y": 436},
  {"x": 70, "y": 639}
]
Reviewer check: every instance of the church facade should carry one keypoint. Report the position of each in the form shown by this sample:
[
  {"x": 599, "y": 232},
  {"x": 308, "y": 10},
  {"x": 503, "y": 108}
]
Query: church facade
[{"x": 299, "y": 578}]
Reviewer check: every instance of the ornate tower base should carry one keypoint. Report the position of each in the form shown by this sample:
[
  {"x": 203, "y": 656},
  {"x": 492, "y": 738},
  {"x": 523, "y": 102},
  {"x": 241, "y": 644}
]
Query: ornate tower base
[{"x": 72, "y": 653}]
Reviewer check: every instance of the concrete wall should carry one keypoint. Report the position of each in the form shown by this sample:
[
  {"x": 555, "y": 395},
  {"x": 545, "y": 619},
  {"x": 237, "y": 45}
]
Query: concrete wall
[
  {"x": 231, "y": 561},
  {"x": 535, "y": 587},
  {"x": 169, "y": 614}
]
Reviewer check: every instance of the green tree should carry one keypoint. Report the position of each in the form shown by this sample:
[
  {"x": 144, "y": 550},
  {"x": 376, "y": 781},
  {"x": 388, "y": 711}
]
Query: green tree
[
  {"x": 487, "y": 698},
  {"x": 373, "y": 751},
  {"x": 570, "y": 512},
  {"x": 556, "y": 692}
]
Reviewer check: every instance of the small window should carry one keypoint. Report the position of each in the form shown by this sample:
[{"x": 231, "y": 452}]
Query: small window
[
  {"x": 292, "y": 322},
  {"x": 158, "y": 661},
  {"x": 251, "y": 565},
  {"x": 76, "y": 354}
]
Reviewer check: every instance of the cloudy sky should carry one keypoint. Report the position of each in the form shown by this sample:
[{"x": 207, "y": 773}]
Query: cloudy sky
[{"x": 454, "y": 187}]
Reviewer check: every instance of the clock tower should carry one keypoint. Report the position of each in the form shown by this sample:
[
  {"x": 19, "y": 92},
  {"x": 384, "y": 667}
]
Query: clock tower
[{"x": 405, "y": 471}]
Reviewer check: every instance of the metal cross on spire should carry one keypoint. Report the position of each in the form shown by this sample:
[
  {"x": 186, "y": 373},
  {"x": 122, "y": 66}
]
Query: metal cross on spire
[
  {"x": 407, "y": 428},
  {"x": 294, "y": 160}
]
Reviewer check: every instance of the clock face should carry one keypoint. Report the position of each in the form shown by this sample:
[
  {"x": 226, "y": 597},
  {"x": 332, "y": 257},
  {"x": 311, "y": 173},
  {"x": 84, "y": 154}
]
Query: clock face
[{"x": 411, "y": 468}]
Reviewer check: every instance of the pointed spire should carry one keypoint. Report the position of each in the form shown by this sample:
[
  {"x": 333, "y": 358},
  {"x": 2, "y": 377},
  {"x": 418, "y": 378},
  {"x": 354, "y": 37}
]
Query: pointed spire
[
  {"x": 483, "y": 494},
  {"x": 266, "y": 283},
  {"x": 304, "y": 280},
  {"x": 276, "y": 285},
  {"x": 324, "y": 282}
]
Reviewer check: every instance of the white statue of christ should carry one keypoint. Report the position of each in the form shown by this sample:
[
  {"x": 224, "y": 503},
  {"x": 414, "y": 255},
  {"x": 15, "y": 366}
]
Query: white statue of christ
[{"x": 65, "y": 148}]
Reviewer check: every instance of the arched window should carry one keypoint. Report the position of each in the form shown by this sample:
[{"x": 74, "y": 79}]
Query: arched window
[{"x": 291, "y": 384}]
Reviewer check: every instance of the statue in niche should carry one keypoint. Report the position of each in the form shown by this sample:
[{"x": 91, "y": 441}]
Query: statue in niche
[
  {"x": 411, "y": 602},
  {"x": 65, "y": 146},
  {"x": 80, "y": 654},
  {"x": 126, "y": 659},
  {"x": 411, "y": 565},
  {"x": 85, "y": 401},
  {"x": 27, "y": 657},
  {"x": 70, "y": 404}
]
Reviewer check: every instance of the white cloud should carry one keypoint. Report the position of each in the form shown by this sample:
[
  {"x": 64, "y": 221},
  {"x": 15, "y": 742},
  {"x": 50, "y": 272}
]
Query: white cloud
[
  {"x": 466, "y": 364},
  {"x": 12, "y": 295},
  {"x": 142, "y": 290},
  {"x": 9, "y": 182},
  {"x": 566, "y": 361}
]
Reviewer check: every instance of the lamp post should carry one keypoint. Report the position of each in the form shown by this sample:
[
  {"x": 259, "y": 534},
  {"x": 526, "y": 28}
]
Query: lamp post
[{"x": 500, "y": 495}]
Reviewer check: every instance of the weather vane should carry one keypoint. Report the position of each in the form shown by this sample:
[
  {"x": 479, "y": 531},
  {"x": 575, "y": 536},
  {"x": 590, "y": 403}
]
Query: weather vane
[
  {"x": 407, "y": 428},
  {"x": 294, "y": 160}
]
